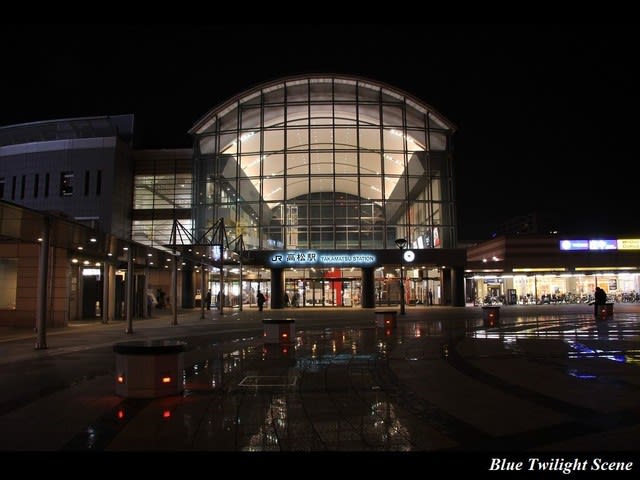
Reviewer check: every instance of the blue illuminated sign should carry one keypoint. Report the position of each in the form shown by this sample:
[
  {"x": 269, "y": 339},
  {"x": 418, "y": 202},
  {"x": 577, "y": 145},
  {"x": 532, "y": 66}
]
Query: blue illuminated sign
[
  {"x": 603, "y": 244},
  {"x": 594, "y": 244},
  {"x": 313, "y": 258},
  {"x": 574, "y": 244}
]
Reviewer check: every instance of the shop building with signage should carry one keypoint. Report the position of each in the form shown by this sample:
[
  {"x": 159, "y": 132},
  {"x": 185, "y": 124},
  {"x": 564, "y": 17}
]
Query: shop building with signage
[{"x": 541, "y": 269}]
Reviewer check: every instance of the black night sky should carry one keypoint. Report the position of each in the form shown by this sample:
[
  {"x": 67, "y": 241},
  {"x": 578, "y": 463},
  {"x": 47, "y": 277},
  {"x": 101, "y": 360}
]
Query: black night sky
[{"x": 546, "y": 114}]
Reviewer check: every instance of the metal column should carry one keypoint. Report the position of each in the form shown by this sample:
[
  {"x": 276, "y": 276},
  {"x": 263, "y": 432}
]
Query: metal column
[
  {"x": 43, "y": 273},
  {"x": 128, "y": 303},
  {"x": 174, "y": 291}
]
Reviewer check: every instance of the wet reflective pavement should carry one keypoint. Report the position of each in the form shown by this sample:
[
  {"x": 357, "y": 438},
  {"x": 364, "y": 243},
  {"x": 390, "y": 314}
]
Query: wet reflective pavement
[{"x": 542, "y": 379}]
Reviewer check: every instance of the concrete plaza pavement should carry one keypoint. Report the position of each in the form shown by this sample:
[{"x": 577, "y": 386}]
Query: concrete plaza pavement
[{"x": 549, "y": 378}]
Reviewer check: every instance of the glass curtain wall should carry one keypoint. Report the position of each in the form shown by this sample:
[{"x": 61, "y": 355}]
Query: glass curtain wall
[
  {"x": 325, "y": 163},
  {"x": 162, "y": 194}
]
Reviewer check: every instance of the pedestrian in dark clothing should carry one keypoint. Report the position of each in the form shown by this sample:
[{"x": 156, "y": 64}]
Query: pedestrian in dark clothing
[
  {"x": 261, "y": 299},
  {"x": 600, "y": 297},
  {"x": 208, "y": 300}
]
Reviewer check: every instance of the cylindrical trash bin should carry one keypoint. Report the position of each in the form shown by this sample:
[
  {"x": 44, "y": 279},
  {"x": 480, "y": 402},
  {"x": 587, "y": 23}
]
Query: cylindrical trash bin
[
  {"x": 386, "y": 318},
  {"x": 491, "y": 315},
  {"x": 279, "y": 331},
  {"x": 149, "y": 368}
]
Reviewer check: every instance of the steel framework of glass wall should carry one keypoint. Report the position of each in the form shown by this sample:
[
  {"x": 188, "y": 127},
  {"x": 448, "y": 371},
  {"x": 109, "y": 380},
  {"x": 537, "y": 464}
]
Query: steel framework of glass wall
[{"x": 327, "y": 163}]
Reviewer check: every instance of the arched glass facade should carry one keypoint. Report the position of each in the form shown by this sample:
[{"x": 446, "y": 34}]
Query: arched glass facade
[{"x": 325, "y": 162}]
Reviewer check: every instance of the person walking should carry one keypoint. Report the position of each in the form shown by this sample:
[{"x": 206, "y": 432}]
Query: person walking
[
  {"x": 600, "y": 297},
  {"x": 260, "y": 299},
  {"x": 208, "y": 300}
]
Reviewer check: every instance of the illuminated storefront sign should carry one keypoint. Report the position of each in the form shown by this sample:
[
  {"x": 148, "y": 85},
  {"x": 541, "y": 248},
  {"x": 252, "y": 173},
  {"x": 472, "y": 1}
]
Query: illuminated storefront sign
[
  {"x": 493, "y": 280},
  {"x": 312, "y": 258},
  {"x": 603, "y": 244},
  {"x": 596, "y": 244},
  {"x": 574, "y": 245},
  {"x": 629, "y": 244}
]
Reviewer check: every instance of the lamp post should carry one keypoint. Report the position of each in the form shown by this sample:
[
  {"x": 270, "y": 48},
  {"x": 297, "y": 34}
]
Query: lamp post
[{"x": 401, "y": 243}]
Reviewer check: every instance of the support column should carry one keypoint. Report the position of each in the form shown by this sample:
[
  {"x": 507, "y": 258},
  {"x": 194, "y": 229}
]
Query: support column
[
  {"x": 277, "y": 288},
  {"x": 445, "y": 286},
  {"x": 128, "y": 299},
  {"x": 145, "y": 300},
  {"x": 368, "y": 294},
  {"x": 188, "y": 295},
  {"x": 43, "y": 274},
  {"x": 203, "y": 295},
  {"x": 105, "y": 293},
  {"x": 457, "y": 287},
  {"x": 79, "y": 293},
  {"x": 174, "y": 291},
  {"x": 241, "y": 291}
]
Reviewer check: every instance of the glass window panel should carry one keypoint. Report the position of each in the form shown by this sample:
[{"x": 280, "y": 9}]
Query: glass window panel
[
  {"x": 250, "y": 165},
  {"x": 273, "y": 189},
  {"x": 298, "y": 114},
  {"x": 250, "y": 141},
  {"x": 227, "y": 144},
  {"x": 322, "y": 184},
  {"x": 229, "y": 121},
  {"x": 368, "y": 93},
  {"x": 247, "y": 191},
  {"x": 346, "y": 162},
  {"x": 273, "y": 165},
  {"x": 393, "y": 163},
  {"x": 321, "y": 91},
  {"x": 416, "y": 140},
  {"x": 297, "y": 138},
  {"x": 437, "y": 213},
  {"x": 393, "y": 140},
  {"x": 297, "y": 163},
  {"x": 343, "y": 91},
  {"x": 251, "y": 99},
  {"x": 347, "y": 184},
  {"x": 370, "y": 163},
  {"x": 436, "y": 193},
  {"x": 297, "y": 186},
  {"x": 345, "y": 114},
  {"x": 321, "y": 138},
  {"x": 274, "y": 94},
  {"x": 207, "y": 145},
  {"x": 250, "y": 118},
  {"x": 250, "y": 238},
  {"x": 322, "y": 114},
  {"x": 435, "y": 122},
  {"x": 369, "y": 114},
  {"x": 394, "y": 187},
  {"x": 437, "y": 141},
  {"x": 392, "y": 116},
  {"x": 345, "y": 137},
  {"x": 371, "y": 187},
  {"x": 321, "y": 163},
  {"x": 274, "y": 238},
  {"x": 273, "y": 140},
  {"x": 416, "y": 119},
  {"x": 369, "y": 138},
  {"x": 297, "y": 91},
  {"x": 389, "y": 96},
  {"x": 273, "y": 117}
]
